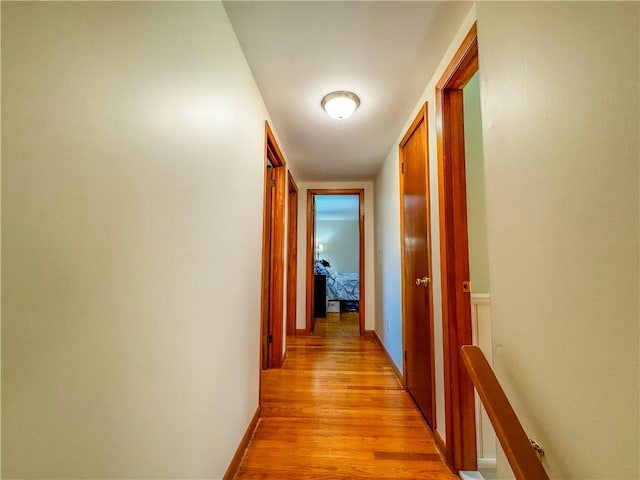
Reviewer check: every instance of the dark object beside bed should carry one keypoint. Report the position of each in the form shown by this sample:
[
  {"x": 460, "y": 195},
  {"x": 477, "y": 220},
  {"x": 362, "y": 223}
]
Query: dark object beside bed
[
  {"x": 320, "y": 296},
  {"x": 349, "y": 306}
]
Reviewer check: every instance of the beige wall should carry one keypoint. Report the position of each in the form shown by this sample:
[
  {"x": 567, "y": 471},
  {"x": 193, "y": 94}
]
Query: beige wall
[
  {"x": 560, "y": 106},
  {"x": 130, "y": 314},
  {"x": 368, "y": 246}
]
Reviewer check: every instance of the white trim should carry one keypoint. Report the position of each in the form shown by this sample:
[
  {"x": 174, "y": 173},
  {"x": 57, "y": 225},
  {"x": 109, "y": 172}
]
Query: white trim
[
  {"x": 470, "y": 475},
  {"x": 482, "y": 337},
  {"x": 480, "y": 299},
  {"x": 486, "y": 464}
]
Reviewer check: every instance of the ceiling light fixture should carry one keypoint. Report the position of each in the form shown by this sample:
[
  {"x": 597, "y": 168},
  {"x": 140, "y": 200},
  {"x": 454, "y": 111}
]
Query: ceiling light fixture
[{"x": 341, "y": 104}]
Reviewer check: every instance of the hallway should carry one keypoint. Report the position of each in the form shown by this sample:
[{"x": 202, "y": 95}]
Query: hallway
[{"x": 335, "y": 410}]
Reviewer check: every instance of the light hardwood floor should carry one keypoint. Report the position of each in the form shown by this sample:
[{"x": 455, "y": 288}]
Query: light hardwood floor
[
  {"x": 337, "y": 325},
  {"x": 335, "y": 410}
]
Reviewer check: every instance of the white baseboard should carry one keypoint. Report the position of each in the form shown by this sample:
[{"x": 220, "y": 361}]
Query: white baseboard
[
  {"x": 469, "y": 475},
  {"x": 486, "y": 464},
  {"x": 486, "y": 470}
]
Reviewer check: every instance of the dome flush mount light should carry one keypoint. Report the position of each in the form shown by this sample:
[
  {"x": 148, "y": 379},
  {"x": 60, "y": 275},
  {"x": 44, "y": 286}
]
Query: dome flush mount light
[{"x": 341, "y": 104}]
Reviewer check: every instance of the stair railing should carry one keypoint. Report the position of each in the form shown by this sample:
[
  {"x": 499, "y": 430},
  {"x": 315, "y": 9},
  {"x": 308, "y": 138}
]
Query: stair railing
[{"x": 514, "y": 441}]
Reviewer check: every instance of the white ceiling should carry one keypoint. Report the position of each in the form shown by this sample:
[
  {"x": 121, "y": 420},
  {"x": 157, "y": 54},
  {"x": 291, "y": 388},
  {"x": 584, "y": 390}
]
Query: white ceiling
[{"x": 299, "y": 51}]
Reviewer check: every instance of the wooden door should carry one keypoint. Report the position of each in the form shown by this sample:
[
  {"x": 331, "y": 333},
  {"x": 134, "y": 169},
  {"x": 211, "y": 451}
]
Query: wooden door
[
  {"x": 417, "y": 304},
  {"x": 292, "y": 254},
  {"x": 272, "y": 300},
  {"x": 266, "y": 266}
]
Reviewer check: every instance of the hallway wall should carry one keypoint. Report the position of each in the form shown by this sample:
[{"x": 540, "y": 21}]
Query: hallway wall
[
  {"x": 130, "y": 288},
  {"x": 560, "y": 110},
  {"x": 368, "y": 246},
  {"x": 560, "y": 93}
]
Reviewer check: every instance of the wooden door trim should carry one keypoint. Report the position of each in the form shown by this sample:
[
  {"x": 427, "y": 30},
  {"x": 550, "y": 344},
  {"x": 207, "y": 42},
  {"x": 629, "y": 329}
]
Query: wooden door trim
[
  {"x": 276, "y": 276},
  {"x": 460, "y": 451},
  {"x": 292, "y": 254},
  {"x": 309, "y": 261},
  {"x": 311, "y": 251},
  {"x": 421, "y": 117}
]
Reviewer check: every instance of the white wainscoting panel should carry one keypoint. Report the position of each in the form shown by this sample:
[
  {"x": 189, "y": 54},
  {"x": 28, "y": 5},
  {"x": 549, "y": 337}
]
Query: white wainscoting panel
[{"x": 481, "y": 324}]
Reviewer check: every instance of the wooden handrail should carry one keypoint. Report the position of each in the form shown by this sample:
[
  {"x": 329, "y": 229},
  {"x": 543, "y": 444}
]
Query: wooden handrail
[{"x": 515, "y": 443}]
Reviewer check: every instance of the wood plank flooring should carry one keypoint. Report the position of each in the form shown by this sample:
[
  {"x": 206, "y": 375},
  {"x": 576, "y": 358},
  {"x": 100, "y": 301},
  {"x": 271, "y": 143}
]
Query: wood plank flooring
[
  {"x": 338, "y": 325},
  {"x": 335, "y": 410}
]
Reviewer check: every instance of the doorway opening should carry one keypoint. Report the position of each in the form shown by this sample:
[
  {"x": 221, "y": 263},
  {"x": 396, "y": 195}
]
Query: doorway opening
[
  {"x": 478, "y": 262},
  {"x": 335, "y": 262},
  {"x": 460, "y": 412}
]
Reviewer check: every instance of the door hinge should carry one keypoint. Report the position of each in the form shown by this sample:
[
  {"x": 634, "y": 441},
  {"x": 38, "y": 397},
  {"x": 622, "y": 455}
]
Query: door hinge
[
  {"x": 273, "y": 183},
  {"x": 402, "y": 167},
  {"x": 269, "y": 338},
  {"x": 405, "y": 357}
]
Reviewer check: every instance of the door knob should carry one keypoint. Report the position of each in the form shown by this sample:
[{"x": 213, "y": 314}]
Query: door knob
[{"x": 424, "y": 281}]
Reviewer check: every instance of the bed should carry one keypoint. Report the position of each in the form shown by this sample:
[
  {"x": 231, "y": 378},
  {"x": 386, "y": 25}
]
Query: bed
[{"x": 340, "y": 286}]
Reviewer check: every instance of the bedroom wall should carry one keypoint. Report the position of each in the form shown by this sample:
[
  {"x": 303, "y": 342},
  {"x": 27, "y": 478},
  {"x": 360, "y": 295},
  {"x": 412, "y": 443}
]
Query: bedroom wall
[
  {"x": 340, "y": 239},
  {"x": 368, "y": 246},
  {"x": 561, "y": 115},
  {"x": 127, "y": 282}
]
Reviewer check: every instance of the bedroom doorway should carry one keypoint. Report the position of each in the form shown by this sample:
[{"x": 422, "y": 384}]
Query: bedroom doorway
[{"x": 335, "y": 262}]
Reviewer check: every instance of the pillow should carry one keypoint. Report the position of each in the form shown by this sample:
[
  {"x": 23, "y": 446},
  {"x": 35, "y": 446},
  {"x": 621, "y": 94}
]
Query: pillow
[{"x": 321, "y": 269}]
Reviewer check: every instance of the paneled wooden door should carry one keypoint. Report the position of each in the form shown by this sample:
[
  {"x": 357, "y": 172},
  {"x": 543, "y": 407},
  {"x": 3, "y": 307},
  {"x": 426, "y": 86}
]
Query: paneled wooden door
[
  {"x": 417, "y": 298},
  {"x": 267, "y": 242},
  {"x": 273, "y": 254}
]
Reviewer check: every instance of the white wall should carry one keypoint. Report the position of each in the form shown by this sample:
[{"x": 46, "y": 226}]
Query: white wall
[
  {"x": 368, "y": 246},
  {"x": 131, "y": 291},
  {"x": 388, "y": 325},
  {"x": 389, "y": 319},
  {"x": 341, "y": 243},
  {"x": 560, "y": 106}
]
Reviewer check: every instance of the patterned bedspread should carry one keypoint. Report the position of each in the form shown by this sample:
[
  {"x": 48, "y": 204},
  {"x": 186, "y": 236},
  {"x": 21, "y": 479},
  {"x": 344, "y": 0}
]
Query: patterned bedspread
[{"x": 340, "y": 286}]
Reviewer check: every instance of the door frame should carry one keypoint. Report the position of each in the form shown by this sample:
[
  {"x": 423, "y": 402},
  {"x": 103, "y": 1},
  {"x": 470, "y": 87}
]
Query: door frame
[
  {"x": 420, "y": 118},
  {"x": 460, "y": 451},
  {"x": 311, "y": 251},
  {"x": 292, "y": 253},
  {"x": 273, "y": 275}
]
